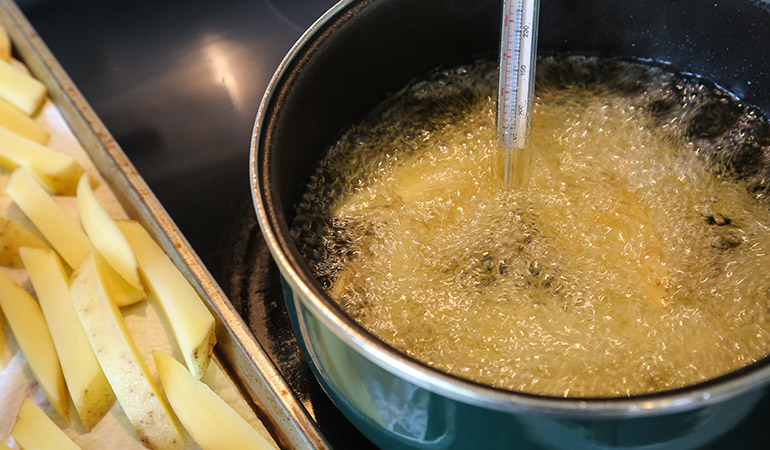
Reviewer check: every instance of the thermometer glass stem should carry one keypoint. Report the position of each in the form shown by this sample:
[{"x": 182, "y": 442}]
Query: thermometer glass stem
[{"x": 516, "y": 84}]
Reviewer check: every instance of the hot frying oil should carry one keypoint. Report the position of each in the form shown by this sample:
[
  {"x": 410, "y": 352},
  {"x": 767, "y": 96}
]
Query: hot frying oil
[{"x": 634, "y": 260}]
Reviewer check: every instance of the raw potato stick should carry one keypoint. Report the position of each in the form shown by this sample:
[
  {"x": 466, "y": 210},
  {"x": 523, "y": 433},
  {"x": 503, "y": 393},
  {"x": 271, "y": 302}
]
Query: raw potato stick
[
  {"x": 33, "y": 430},
  {"x": 20, "y": 90},
  {"x": 31, "y": 332},
  {"x": 21, "y": 124},
  {"x": 191, "y": 321},
  {"x": 59, "y": 229},
  {"x": 86, "y": 383},
  {"x": 211, "y": 422},
  {"x": 119, "y": 358},
  {"x": 123, "y": 294},
  {"x": 12, "y": 237},
  {"x": 59, "y": 173},
  {"x": 105, "y": 235}
]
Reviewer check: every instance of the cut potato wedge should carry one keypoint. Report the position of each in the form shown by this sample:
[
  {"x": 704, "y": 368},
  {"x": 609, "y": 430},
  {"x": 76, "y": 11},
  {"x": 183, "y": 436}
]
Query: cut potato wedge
[
  {"x": 105, "y": 235},
  {"x": 59, "y": 173},
  {"x": 86, "y": 383},
  {"x": 33, "y": 430},
  {"x": 21, "y": 90},
  {"x": 211, "y": 422},
  {"x": 5, "y": 45},
  {"x": 122, "y": 293},
  {"x": 191, "y": 321},
  {"x": 119, "y": 358},
  {"x": 61, "y": 231},
  {"x": 12, "y": 237},
  {"x": 31, "y": 332},
  {"x": 21, "y": 124}
]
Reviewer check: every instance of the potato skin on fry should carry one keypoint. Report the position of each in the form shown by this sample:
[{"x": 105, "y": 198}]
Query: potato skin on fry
[
  {"x": 191, "y": 321},
  {"x": 91, "y": 393},
  {"x": 119, "y": 357},
  {"x": 12, "y": 237}
]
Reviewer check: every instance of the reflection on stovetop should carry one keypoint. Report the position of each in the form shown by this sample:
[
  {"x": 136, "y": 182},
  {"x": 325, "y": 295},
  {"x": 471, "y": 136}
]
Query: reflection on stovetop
[{"x": 254, "y": 288}]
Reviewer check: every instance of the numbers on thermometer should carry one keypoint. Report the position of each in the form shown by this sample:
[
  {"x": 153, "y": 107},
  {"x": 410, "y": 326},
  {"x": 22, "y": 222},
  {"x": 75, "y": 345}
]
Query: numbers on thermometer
[{"x": 516, "y": 83}]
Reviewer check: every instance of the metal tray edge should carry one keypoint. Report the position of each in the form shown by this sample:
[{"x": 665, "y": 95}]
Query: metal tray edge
[{"x": 239, "y": 351}]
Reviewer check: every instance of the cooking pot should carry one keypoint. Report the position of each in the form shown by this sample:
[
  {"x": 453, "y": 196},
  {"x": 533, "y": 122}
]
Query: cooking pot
[{"x": 342, "y": 68}]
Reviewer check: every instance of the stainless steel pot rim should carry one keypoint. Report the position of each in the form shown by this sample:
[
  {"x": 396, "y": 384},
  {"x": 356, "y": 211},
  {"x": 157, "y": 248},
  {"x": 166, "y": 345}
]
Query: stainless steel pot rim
[{"x": 331, "y": 316}]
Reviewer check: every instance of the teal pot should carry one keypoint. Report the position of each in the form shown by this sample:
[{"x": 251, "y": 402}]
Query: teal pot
[{"x": 341, "y": 69}]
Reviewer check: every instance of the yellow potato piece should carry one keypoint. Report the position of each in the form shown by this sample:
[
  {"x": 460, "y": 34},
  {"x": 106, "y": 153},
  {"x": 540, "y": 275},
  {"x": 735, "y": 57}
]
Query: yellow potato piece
[
  {"x": 86, "y": 383},
  {"x": 5, "y": 45},
  {"x": 119, "y": 358},
  {"x": 23, "y": 125},
  {"x": 33, "y": 430},
  {"x": 12, "y": 237},
  {"x": 191, "y": 321},
  {"x": 31, "y": 331},
  {"x": 56, "y": 171},
  {"x": 62, "y": 232},
  {"x": 20, "y": 66},
  {"x": 20, "y": 90},
  {"x": 105, "y": 235},
  {"x": 122, "y": 293},
  {"x": 211, "y": 422}
]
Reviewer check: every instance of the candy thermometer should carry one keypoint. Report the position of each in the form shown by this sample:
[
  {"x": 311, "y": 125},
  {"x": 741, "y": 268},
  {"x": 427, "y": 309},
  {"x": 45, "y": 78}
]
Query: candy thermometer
[{"x": 516, "y": 84}]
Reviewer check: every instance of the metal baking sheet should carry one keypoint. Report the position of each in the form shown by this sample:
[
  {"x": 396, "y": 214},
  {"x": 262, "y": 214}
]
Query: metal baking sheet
[{"x": 237, "y": 351}]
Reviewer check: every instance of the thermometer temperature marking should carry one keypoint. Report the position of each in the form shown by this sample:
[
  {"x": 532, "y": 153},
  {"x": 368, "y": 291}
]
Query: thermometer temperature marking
[{"x": 517, "y": 75}]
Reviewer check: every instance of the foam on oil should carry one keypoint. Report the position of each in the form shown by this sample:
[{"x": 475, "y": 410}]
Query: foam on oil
[{"x": 633, "y": 261}]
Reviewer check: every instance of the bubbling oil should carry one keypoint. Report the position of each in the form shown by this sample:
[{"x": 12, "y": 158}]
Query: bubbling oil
[{"x": 633, "y": 261}]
